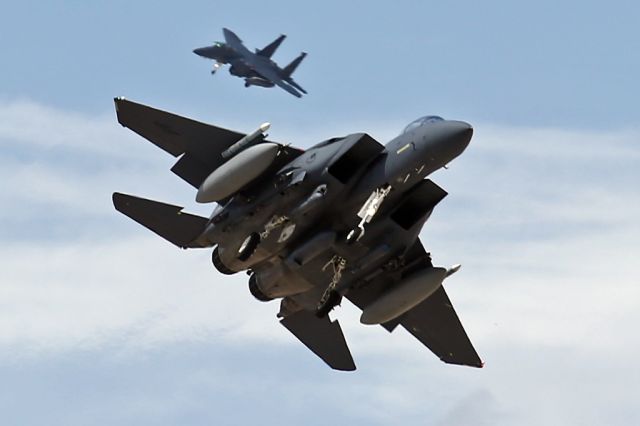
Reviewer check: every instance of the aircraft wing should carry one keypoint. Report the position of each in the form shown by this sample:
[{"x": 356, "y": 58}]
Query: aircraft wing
[
  {"x": 286, "y": 86},
  {"x": 270, "y": 74},
  {"x": 234, "y": 42},
  {"x": 433, "y": 322},
  {"x": 198, "y": 145}
]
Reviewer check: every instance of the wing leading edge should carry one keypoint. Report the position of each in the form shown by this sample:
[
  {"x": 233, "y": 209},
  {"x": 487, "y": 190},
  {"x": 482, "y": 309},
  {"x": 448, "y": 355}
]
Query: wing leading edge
[
  {"x": 433, "y": 322},
  {"x": 198, "y": 145}
]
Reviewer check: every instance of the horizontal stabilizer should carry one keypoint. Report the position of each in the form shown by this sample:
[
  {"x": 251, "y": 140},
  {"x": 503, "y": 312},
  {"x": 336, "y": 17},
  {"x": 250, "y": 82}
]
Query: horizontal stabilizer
[
  {"x": 323, "y": 337},
  {"x": 296, "y": 85},
  {"x": 166, "y": 220}
]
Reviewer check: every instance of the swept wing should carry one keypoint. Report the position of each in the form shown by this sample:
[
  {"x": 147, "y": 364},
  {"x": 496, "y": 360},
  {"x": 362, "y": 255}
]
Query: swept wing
[
  {"x": 270, "y": 73},
  {"x": 199, "y": 146},
  {"x": 433, "y": 322}
]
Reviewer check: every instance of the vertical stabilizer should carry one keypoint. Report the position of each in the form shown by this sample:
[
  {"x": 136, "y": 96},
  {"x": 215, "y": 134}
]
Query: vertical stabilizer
[
  {"x": 289, "y": 69},
  {"x": 271, "y": 48}
]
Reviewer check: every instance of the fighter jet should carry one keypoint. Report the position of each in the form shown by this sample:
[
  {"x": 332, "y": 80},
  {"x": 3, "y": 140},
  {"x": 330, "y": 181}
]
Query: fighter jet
[
  {"x": 257, "y": 68},
  {"x": 311, "y": 227}
]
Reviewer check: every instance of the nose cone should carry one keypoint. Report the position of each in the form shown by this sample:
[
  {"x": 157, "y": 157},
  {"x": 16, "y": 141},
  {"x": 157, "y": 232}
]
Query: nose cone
[
  {"x": 199, "y": 51},
  {"x": 458, "y": 135},
  {"x": 447, "y": 139}
]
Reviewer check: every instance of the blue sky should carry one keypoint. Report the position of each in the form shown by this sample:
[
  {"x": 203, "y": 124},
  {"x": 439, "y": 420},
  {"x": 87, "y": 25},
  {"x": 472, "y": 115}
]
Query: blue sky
[
  {"x": 101, "y": 322},
  {"x": 543, "y": 63}
]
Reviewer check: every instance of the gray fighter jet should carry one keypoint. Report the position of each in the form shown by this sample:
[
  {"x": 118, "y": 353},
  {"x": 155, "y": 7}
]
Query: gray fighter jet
[
  {"x": 257, "y": 68},
  {"x": 340, "y": 219}
]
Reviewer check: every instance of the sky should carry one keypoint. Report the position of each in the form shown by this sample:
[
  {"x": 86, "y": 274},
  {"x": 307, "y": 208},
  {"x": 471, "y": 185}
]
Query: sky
[{"x": 103, "y": 323}]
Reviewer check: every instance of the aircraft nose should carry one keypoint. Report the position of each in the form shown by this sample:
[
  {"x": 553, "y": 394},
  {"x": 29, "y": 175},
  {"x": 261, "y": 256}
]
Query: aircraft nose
[
  {"x": 447, "y": 139},
  {"x": 460, "y": 134},
  {"x": 205, "y": 52}
]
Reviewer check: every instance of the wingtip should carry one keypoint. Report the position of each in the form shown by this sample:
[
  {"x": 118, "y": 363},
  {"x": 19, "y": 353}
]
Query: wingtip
[
  {"x": 351, "y": 367},
  {"x": 468, "y": 363},
  {"x": 453, "y": 269},
  {"x": 118, "y": 199},
  {"x": 119, "y": 101}
]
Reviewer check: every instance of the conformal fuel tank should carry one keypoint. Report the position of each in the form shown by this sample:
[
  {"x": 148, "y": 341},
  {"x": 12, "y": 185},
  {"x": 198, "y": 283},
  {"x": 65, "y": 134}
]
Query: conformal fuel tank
[
  {"x": 408, "y": 294},
  {"x": 237, "y": 172}
]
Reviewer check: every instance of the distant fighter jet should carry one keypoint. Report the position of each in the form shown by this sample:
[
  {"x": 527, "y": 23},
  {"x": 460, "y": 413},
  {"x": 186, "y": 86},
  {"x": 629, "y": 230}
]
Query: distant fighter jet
[
  {"x": 340, "y": 219},
  {"x": 257, "y": 68}
]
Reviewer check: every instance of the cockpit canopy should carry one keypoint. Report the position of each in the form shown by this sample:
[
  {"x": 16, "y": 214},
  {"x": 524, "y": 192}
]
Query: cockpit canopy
[{"x": 427, "y": 119}]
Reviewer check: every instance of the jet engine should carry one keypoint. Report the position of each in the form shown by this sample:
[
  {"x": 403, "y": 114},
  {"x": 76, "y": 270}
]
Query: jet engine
[
  {"x": 276, "y": 281},
  {"x": 239, "y": 70}
]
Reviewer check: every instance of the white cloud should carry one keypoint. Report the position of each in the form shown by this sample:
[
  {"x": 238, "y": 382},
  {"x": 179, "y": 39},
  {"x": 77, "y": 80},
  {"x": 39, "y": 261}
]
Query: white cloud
[
  {"x": 141, "y": 290},
  {"x": 29, "y": 123}
]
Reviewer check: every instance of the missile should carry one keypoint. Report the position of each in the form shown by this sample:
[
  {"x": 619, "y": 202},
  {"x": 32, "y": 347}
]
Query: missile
[
  {"x": 239, "y": 171},
  {"x": 247, "y": 141},
  {"x": 455, "y": 268},
  {"x": 408, "y": 294}
]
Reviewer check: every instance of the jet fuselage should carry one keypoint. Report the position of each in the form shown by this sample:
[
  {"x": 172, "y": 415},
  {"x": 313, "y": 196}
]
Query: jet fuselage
[{"x": 308, "y": 191}]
